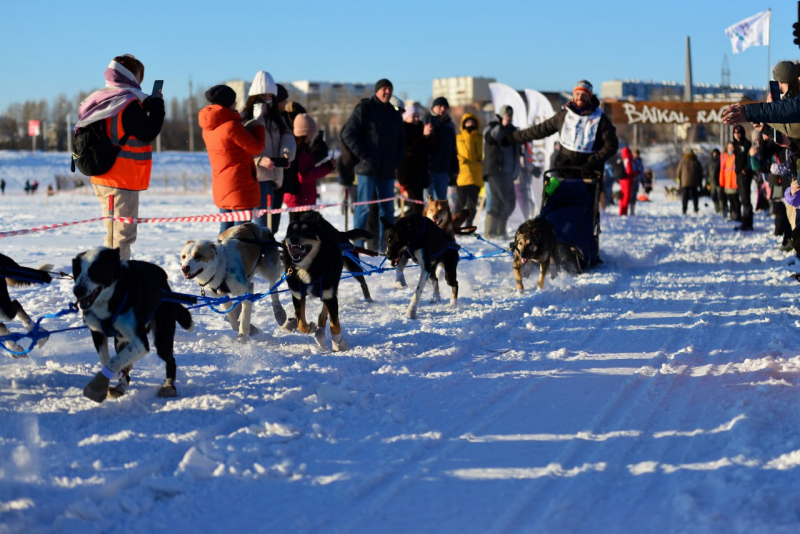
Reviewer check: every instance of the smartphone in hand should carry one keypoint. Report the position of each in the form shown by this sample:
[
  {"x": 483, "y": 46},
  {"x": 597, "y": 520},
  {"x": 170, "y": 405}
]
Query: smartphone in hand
[
  {"x": 157, "y": 85},
  {"x": 280, "y": 162},
  {"x": 775, "y": 90}
]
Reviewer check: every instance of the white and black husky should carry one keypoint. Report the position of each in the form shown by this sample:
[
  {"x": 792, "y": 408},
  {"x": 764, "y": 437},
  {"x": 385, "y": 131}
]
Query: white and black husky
[{"x": 125, "y": 300}]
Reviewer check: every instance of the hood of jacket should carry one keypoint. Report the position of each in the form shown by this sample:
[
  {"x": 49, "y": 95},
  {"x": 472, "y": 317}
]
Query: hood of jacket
[
  {"x": 213, "y": 116},
  {"x": 468, "y": 116},
  {"x": 626, "y": 153}
]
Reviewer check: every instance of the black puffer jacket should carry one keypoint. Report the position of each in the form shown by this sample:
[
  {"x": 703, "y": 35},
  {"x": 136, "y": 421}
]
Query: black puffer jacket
[
  {"x": 413, "y": 170},
  {"x": 375, "y": 135},
  {"x": 445, "y": 158},
  {"x": 605, "y": 142}
]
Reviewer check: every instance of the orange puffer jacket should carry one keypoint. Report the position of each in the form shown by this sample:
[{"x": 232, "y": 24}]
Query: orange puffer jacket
[{"x": 231, "y": 149}]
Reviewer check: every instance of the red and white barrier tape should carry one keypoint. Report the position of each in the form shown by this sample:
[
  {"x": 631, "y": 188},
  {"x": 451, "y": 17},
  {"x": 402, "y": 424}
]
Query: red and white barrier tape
[{"x": 235, "y": 216}]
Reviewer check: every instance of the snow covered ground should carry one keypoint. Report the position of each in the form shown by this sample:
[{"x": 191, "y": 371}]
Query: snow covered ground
[{"x": 653, "y": 394}]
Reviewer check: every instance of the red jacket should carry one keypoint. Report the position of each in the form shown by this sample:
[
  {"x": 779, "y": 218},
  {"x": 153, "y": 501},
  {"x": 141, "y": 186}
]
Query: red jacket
[
  {"x": 307, "y": 175},
  {"x": 627, "y": 159},
  {"x": 231, "y": 149}
]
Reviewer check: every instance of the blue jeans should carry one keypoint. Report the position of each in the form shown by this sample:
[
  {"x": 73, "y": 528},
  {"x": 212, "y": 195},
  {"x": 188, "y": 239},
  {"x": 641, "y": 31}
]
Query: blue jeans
[
  {"x": 367, "y": 187},
  {"x": 224, "y": 225},
  {"x": 438, "y": 187}
]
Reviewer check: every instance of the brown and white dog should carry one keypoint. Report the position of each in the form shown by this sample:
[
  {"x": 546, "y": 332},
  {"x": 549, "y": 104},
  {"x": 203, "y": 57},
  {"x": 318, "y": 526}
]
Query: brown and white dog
[
  {"x": 227, "y": 268},
  {"x": 535, "y": 241},
  {"x": 439, "y": 212}
]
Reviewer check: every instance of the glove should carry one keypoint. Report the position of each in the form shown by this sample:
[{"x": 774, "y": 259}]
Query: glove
[{"x": 507, "y": 140}]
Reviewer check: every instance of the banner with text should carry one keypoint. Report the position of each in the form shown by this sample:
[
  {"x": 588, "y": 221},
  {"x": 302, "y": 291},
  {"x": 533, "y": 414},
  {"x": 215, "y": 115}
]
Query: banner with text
[{"x": 666, "y": 112}]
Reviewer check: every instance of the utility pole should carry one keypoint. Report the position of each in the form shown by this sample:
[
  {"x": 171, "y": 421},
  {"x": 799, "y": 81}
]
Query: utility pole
[{"x": 191, "y": 117}]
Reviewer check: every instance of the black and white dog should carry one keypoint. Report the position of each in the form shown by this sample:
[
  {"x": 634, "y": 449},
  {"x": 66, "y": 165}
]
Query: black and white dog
[
  {"x": 419, "y": 238},
  {"x": 314, "y": 263},
  {"x": 12, "y": 274},
  {"x": 124, "y": 300}
]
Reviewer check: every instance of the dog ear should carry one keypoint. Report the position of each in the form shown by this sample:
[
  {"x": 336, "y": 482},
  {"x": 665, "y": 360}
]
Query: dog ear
[
  {"x": 386, "y": 223},
  {"x": 188, "y": 243}
]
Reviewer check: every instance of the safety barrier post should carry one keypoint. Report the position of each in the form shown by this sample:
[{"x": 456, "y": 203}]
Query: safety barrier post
[{"x": 111, "y": 214}]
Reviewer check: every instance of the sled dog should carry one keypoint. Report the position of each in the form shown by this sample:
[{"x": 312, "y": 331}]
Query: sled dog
[
  {"x": 228, "y": 267},
  {"x": 416, "y": 237},
  {"x": 313, "y": 260},
  {"x": 535, "y": 241},
  {"x": 125, "y": 300},
  {"x": 14, "y": 275}
]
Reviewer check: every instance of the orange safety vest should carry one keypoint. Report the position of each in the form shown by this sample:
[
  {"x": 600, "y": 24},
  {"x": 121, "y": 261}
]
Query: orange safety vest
[
  {"x": 727, "y": 175},
  {"x": 134, "y": 162}
]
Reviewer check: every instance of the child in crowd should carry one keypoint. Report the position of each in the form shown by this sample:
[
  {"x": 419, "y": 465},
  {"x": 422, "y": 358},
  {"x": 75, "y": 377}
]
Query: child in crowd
[{"x": 307, "y": 171}]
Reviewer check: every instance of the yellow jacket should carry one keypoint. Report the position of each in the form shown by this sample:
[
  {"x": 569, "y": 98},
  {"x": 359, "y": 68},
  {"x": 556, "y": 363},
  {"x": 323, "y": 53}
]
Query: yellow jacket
[{"x": 470, "y": 154}]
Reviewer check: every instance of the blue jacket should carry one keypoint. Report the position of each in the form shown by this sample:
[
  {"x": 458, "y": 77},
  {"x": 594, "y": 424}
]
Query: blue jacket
[{"x": 783, "y": 112}]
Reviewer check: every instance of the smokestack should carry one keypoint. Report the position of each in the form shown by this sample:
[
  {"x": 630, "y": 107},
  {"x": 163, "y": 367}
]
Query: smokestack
[{"x": 687, "y": 88}]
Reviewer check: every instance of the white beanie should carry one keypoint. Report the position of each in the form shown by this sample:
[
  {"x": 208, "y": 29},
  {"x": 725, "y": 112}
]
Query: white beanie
[{"x": 263, "y": 84}]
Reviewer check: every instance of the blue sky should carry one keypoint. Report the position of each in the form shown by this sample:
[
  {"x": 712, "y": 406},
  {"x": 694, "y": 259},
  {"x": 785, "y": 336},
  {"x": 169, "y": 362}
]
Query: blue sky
[{"x": 51, "y": 47}]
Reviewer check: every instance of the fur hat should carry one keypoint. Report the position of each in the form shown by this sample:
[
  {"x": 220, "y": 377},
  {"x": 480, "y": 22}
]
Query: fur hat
[
  {"x": 383, "y": 82},
  {"x": 441, "y": 101},
  {"x": 263, "y": 84},
  {"x": 222, "y": 95},
  {"x": 584, "y": 86},
  {"x": 304, "y": 125},
  {"x": 785, "y": 72}
]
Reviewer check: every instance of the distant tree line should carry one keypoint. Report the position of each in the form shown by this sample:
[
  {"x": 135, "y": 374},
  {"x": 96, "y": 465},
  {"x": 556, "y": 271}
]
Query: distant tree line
[{"x": 330, "y": 108}]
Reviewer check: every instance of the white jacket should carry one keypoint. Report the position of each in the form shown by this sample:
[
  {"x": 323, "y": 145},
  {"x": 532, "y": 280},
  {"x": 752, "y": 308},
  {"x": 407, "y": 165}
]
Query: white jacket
[{"x": 275, "y": 147}]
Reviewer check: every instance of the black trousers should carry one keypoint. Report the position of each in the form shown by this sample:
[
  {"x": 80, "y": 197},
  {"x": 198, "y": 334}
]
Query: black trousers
[
  {"x": 686, "y": 194},
  {"x": 735, "y": 205},
  {"x": 744, "y": 182},
  {"x": 467, "y": 199}
]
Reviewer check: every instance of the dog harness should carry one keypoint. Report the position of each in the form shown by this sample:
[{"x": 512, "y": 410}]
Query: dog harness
[
  {"x": 263, "y": 248},
  {"x": 452, "y": 245},
  {"x": 108, "y": 324}
]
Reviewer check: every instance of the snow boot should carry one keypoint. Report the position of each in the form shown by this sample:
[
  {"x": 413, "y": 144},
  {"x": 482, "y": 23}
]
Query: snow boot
[
  {"x": 97, "y": 389},
  {"x": 168, "y": 390},
  {"x": 491, "y": 227}
]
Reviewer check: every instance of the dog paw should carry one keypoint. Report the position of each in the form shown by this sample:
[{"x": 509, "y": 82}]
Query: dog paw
[
  {"x": 254, "y": 330},
  {"x": 368, "y": 299},
  {"x": 400, "y": 282},
  {"x": 97, "y": 389},
  {"x": 11, "y": 345},
  {"x": 339, "y": 346},
  {"x": 290, "y": 325},
  {"x": 453, "y": 303},
  {"x": 520, "y": 291},
  {"x": 280, "y": 314},
  {"x": 312, "y": 328},
  {"x": 43, "y": 340},
  {"x": 242, "y": 338},
  {"x": 168, "y": 390},
  {"x": 319, "y": 337},
  {"x": 411, "y": 312},
  {"x": 436, "y": 298}
]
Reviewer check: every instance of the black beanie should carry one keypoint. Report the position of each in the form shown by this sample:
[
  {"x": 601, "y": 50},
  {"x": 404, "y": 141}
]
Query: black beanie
[
  {"x": 441, "y": 101},
  {"x": 282, "y": 95},
  {"x": 222, "y": 95},
  {"x": 383, "y": 82}
]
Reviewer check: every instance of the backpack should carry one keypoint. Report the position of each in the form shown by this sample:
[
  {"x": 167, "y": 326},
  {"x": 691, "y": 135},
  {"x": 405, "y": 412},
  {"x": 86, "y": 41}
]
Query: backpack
[
  {"x": 93, "y": 153},
  {"x": 618, "y": 167}
]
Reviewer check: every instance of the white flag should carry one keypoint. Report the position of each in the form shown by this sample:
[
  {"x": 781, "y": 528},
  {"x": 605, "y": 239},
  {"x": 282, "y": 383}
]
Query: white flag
[
  {"x": 539, "y": 110},
  {"x": 753, "y": 31}
]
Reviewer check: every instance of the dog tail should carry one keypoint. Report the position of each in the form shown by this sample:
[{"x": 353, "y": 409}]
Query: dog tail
[
  {"x": 357, "y": 233},
  {"x": 183, "y": 316},
  {"x": 28, "y": 276}
]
